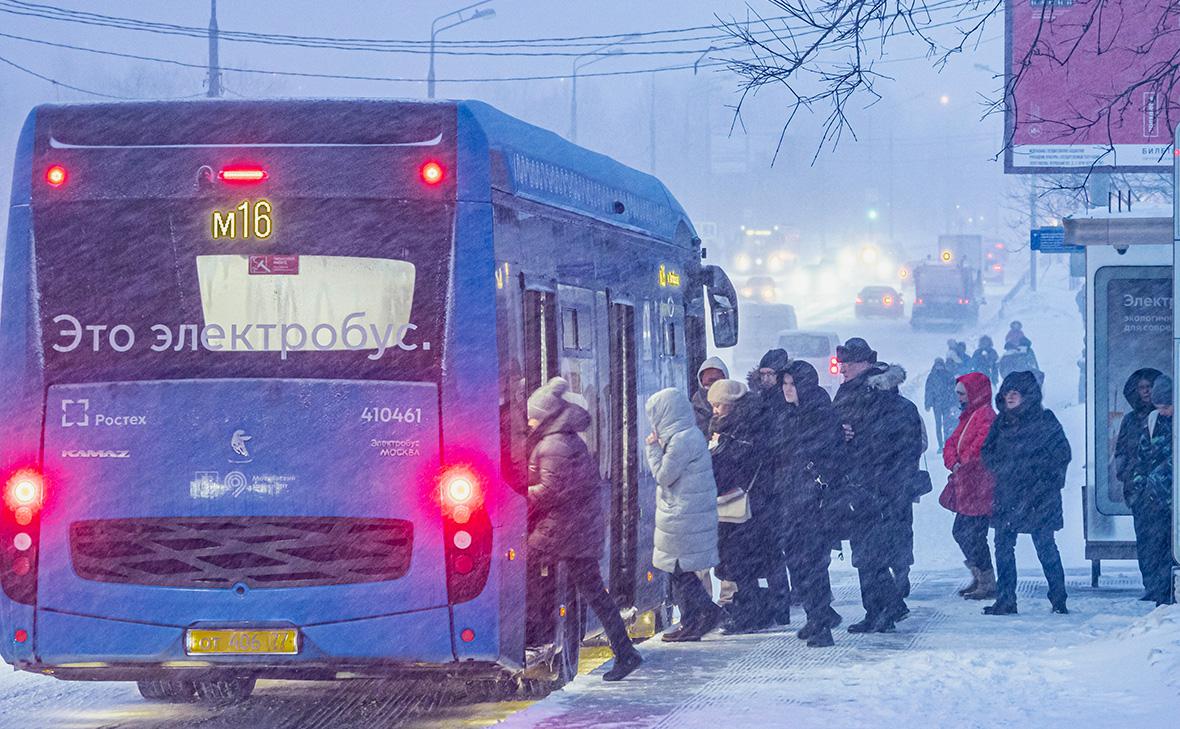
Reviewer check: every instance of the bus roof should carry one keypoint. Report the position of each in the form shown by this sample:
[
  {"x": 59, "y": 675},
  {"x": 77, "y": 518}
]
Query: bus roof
[
  {"x": 545, "y": 166},
  {"x": 527, "y": 161}
]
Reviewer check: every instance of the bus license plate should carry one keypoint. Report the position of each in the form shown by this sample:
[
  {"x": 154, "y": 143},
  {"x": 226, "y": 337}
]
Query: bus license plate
[{"x": 282, "y": 641}]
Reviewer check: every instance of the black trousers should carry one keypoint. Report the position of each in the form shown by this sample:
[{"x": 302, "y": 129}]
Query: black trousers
[
  {"x": 809, "y": 552},
  {"x": 1153, "y": 546},
  {"x": 970, "y": 533},
  {"x": 1006, "y": 565},
  {"x": 588, "y": 581},
  {"x": 689, "y": 595},
  {"x": 878, "y": 592}
]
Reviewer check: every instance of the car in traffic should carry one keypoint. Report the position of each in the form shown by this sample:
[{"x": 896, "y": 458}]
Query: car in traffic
[
  {"x": 817, "y": 348},
  {"x": 879, "y": 301}
]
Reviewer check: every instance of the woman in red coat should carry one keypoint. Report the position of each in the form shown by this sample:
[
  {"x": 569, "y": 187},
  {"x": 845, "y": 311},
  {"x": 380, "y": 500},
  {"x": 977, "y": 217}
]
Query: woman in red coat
[{"x": 970, "y": 488}]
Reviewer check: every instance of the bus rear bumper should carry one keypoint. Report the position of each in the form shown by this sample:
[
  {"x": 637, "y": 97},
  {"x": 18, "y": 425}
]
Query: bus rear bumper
[{"x": 81, "y": 647}]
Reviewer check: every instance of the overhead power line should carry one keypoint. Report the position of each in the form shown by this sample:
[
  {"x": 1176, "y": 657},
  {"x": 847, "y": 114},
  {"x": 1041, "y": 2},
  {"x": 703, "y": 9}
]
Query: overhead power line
[{"x": 569, "y": 46}]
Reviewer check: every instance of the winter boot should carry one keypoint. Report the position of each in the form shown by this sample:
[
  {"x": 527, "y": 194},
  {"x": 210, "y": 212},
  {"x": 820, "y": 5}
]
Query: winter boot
[
  {"x": 999, "y": 608},
  {"x": 821, "y": 639},
  {"x": 1060, "y": 608},
  {"x": 986, "y": 587},
  {"x": 974, "y": 580},
  {"x": 624, "y": 665},
  {"x": 884, "y": 623},
  {"x": 863, "y": 626}
]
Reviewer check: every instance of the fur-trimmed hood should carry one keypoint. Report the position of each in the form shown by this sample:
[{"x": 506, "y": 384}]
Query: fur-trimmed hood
[{"x": 887, "y": 377}]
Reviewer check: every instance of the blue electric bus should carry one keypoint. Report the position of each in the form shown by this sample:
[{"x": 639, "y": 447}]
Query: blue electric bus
[{"x": 266, "y": 366}]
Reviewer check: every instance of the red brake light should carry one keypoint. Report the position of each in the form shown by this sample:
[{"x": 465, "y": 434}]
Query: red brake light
[
  {"x": 859, "y": 300},
  {"x": 887, "y": 301},
  {"x": 20, "y": 636},
  {"x": 26, "y": 490},
  {"x": 467, "y": 635},
  {"x": 834, "y": 366},
  {"x": 242, "y": 175},
  {"x": 56, "y": 176},
  {"x": 460, "y": 488},
  {"x": 432, "y": 173}
]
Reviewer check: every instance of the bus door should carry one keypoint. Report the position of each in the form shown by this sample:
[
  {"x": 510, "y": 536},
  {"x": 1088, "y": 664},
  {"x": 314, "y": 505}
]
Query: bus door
[{"x": 624, "y": 461}]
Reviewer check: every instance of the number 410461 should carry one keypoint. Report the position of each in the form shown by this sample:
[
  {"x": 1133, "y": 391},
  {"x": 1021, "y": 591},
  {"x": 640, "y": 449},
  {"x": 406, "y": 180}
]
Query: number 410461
[{"x": 391, "y": 415}]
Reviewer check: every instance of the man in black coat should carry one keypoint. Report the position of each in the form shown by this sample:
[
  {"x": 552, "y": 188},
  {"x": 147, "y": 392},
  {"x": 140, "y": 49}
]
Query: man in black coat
[
  {"x": 766, "y": 495},
  {"x": 986, "y": 359},
  {"x": 1137, "y": 391},
  {"x": 884, "y": 443},
  {"x": 567, "y": 518}
]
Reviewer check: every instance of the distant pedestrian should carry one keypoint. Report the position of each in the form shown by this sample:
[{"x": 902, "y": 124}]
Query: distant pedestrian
[
  {"x": 970, "y": 487},
  {"x": 940, "y": 399},
  {"x": 1014, "y": 335},
  {"x": 986, "y": 360},
  {"x": 566, "y": 509},
  {"x": 710, "y": 371},
  {"x": 1019, "y": 357},
  {"x": 883, "y": 449},
  {"x": 1151, "y": 496},
  {"x": 1027, "y": 451},
  {"x": 686, "y": 509},
  {"x": 957, "y": 360},
  {"x": 812, "y": 465}
]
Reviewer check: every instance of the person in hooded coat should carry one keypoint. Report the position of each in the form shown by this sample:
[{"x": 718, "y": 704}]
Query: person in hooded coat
[
  {"x": 1027, "y": 451},
  {"x": 686, "y": 509},
  {"x": 970, "y": 488},
  {"x": 1151, "y": 496},
  {"x": 1137, "y": 391},
  {"x": 736, "y": 462},
  {"x": 940, "y": 398},
  {"x": 884, "y": 436},
  {"x": 1019, "y": 357},
  {"x": 566, "y": 505},
  {"x": 812, "y": 460},
  {"x": 985, "y": 359},
  {"x": 710, "y": 371}
]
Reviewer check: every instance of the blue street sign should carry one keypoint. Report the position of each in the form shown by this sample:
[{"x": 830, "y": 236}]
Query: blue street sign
[{"x": 1051, "y": 240}]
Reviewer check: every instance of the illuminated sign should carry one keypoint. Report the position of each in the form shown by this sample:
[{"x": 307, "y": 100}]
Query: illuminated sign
[
  {"x": 247, "y": 220},
  {"x": 668, "y": 277}
]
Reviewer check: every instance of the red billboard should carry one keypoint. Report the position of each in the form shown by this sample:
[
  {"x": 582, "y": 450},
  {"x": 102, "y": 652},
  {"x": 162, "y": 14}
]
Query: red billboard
[{"x": 1091, "y": 85}]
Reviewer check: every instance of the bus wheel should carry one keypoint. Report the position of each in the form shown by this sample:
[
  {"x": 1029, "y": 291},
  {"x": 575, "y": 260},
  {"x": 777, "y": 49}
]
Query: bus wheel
[
  {"x": 176, "y": 692},
  {"x": 225, "y": 691}
]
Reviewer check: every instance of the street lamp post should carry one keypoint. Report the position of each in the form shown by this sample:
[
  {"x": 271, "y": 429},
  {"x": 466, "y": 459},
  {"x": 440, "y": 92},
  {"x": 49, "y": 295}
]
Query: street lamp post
[
  {"x": 460, "y": 19},
  {"x": 599, "y": 54}
]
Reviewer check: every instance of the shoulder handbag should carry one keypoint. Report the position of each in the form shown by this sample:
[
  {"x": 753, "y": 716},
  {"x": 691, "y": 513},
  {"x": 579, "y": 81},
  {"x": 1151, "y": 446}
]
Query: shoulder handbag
[{"x": 733, "y": 506}]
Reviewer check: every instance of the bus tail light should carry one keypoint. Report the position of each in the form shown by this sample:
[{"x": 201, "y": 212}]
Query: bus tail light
[
  {"x": 467, "y": 532},
  {"x": 432, "y": 173},
  {"x": 242, "y": 174},
  {"x": 56, "y": 176},
  {"x": 24, "y": 494}
]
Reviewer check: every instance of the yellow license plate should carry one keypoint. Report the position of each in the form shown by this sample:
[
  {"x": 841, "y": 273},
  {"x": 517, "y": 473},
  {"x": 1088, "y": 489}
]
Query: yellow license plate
[{"x": 280, "y": 641}]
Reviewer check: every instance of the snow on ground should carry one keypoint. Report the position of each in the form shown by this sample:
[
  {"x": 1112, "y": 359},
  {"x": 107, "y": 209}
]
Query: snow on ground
[{"x": 1112, "y": 663}]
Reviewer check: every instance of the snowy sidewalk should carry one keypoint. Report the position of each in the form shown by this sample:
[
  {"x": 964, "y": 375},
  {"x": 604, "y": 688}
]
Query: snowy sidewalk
[{"x": 947, "y": 666}]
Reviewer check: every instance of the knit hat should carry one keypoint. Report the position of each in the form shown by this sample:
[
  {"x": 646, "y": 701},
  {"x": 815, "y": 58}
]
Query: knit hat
[
  {"x": 1161, "y": 391},
  {"x": 775, "y": 359},
  {"x": 727, "y": 391},
  {"x": 548, "y": 400},
  {"x": 856, "y": 350}
]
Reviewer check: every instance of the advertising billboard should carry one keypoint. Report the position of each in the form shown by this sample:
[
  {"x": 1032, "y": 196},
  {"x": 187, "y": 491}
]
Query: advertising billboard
[{"x": 1090, "y": 84}]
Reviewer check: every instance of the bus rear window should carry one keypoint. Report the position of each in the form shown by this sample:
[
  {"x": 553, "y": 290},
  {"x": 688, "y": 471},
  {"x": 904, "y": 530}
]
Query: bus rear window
[{"x": 240, "y": 291}]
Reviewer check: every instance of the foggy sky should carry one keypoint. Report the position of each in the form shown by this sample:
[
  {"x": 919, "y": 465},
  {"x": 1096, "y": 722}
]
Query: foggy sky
[{"x": 923, "y": 156}]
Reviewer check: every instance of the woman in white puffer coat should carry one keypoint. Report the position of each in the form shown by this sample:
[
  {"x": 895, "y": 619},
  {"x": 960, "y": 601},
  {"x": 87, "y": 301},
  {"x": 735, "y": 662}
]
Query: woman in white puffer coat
[{"x": 686, "y": 509}]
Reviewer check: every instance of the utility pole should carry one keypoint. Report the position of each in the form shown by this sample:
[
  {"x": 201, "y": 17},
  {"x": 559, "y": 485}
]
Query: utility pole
[
  {"x": 1032, "y": 223},
  {"x": 652, "y": 125},
  {"x": 613, "y": 48},
  {"x": 459, "y": 19},
  {"x": 214, "y": 65}
]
